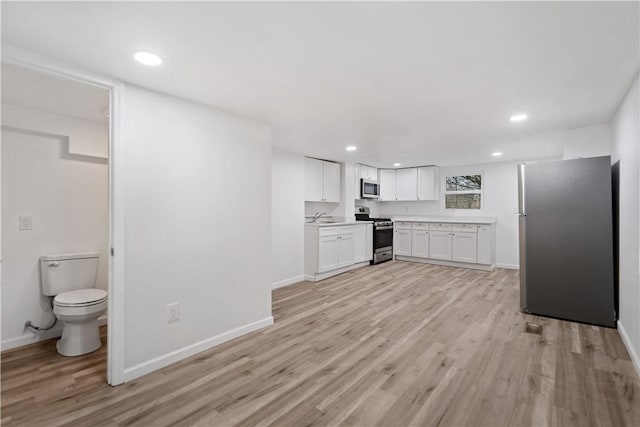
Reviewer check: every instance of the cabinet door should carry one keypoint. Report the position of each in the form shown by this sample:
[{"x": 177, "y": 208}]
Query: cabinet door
[
  {"x": 356, "y": 179},
  {"x": 465, "y": 246},
  {"x": 403, "y": 242},
  {"x": 327, "y": 253},
  {"x": 346, "y": 250},
  {"x": 371, "y": 173},
  {"x": 420, "y": 243},
  {"x": 331, "y": 182},
  {"x": 369, "y": 253},
  {"x": 313, "y": 179},
  {"x": 407, "y": 184},
  {"x": 387, "y": 184},
  {"x": 428, "y": 183},
  {"x": 484, "y": 244},
  {"x": 440, "y": 245},
  {"x": 360, "y": 243}
]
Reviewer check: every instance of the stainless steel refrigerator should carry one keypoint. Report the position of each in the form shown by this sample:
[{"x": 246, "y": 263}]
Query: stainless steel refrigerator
[{"x": 566, "y": 240}]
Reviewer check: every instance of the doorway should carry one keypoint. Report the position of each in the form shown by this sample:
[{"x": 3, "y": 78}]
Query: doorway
[{"x": 58, "y": 135}]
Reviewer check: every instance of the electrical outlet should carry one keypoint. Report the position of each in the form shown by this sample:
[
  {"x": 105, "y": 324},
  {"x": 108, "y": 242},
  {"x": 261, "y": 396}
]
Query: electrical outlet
[
  {"x": 25, "y": 223},
  {"x": 173, "y": 312}
]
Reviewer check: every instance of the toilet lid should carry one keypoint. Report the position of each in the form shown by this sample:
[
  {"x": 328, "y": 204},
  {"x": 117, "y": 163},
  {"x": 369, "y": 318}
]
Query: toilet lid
[{"x": 80, "y": 297}]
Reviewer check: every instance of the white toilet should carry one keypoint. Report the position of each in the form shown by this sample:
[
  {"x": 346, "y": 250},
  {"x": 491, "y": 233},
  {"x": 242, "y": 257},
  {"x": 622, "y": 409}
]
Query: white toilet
[{"x": 71, "y": 278}]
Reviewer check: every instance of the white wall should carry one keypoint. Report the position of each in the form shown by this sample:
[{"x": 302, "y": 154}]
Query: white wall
[
  {"x": 67, "y": 197},
  {"x": 500, "y": 199},
  {"x": 197, "y": 228},
  {"x": 626, "y": 139},
  {"x": 592, "y": 141},
  {"x": 287, "y": 217}
]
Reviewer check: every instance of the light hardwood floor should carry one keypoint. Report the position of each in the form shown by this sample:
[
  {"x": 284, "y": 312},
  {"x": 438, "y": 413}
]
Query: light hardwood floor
[{"x": 391, "y": 345}]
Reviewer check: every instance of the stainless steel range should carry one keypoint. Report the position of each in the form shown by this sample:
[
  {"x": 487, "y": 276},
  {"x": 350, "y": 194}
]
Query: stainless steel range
[{"x": 382, "y": 235}]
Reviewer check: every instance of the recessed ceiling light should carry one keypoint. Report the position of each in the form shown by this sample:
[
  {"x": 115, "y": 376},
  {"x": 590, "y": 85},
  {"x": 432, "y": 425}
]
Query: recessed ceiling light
[
  {"x": 396, "y": 164},
  {"x": 496, "y": 154},
  {"x": 518, "y": 117},
  {"x": 351, "y": 148},
  {"x": 147, "y": 58}
]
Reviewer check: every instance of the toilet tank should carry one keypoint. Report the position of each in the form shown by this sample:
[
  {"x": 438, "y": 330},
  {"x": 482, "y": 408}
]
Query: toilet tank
[{"x": 68, "y": 272}]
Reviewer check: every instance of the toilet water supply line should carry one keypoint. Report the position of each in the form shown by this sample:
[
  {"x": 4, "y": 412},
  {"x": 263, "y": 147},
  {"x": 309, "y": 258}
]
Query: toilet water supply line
[{"x": 30, "y": 325}]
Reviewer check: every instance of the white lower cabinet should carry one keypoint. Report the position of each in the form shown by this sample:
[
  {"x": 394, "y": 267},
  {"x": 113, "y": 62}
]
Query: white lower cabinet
[
  {"x": 420, "y": 243},
  {"x": 333, "y": 248},
  {"x": 403, "y": 242},
  {"x": 450, "y": 242},
  {"x": 327, "y": 253},
  {"x": 440, "y": 245},
  {"x": 346, "y": 250},
  {"x": 360, "y": 243},
  {"x": 464, "y": 246},
  {"x": 484, "y": 244}
]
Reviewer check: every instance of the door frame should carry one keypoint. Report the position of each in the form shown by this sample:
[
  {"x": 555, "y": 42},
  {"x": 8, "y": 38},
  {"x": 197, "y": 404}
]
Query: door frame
[{"x": 116, "y": 317}]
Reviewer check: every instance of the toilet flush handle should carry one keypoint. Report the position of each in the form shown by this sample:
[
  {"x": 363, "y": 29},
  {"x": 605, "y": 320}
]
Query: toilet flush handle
[{"x": 53, "y": 264}]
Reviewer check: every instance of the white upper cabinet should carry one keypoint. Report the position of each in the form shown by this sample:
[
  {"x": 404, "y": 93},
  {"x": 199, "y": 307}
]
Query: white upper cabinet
[
  {"x": 367, "y": 172},
  {"x": 322, "y": 181},
  {"x": 387, "y": 183},
  {"x": 428, "y": 183},
  {"x": 331, "y": 181},
  {"x": 406, "y": 184},
  {"x": 313, "y": 179}
]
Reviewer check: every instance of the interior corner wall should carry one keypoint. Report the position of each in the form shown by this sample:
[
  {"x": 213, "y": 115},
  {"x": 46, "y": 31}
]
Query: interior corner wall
[
  {"x": 591, "y": 141},
  {"x": 287, "y": 217},
  {"x": 67, "y": 198},
  {"x": 197, "y": 228},
  {"x": 626, "y": 140}
]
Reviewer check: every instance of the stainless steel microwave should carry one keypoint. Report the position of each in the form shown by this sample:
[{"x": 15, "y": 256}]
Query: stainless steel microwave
[{"x": 369, "y": 189}]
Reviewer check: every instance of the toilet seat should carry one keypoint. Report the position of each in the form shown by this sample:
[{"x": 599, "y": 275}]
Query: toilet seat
[{"x": 80, "y": 298}]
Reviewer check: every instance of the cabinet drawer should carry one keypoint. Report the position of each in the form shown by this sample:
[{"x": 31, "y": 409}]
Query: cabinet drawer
[
  {"x": 346, "y": 230},
  {"x": 437, "y": 226},
  {"x": 484, "y": 227},
  {"x": 403, "y": 225},
  {"x": 327, "y": 231},
  {"x": 465, "y": 227},
  {"x": 420, "y": 225}
]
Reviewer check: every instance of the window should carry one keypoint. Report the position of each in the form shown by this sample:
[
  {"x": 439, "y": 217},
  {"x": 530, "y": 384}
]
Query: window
[{"x": 463, "y": 192}]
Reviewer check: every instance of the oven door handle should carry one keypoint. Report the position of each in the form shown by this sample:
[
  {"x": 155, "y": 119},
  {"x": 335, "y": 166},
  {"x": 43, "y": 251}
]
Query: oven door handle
[{"x": 386, "y": 227}]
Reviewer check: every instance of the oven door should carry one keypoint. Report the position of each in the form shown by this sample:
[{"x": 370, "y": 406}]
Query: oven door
[
  {"x": 368, "y": 189},
  {"x": 382, "y": 238}
]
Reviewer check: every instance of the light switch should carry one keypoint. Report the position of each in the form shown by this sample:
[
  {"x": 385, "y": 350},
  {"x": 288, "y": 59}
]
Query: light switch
[{"x": 25, "y": 223}]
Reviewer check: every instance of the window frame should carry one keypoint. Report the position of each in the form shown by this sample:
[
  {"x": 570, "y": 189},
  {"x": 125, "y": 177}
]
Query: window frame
[{"x": 480, "y": 192}]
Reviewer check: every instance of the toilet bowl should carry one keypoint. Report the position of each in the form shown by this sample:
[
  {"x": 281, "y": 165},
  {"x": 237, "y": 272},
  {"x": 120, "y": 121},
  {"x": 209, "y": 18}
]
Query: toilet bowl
[
  {"x": 70, "y": 278},
  {"x": 79, "y": 312}
]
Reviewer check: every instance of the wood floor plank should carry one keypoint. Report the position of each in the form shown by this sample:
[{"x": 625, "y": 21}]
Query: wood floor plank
[{"x": 396, "y": 344}]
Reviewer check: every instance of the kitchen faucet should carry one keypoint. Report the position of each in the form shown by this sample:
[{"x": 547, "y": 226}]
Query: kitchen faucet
[{"x": 317, "y": 216}]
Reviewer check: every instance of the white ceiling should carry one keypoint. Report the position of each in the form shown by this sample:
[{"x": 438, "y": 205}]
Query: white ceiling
[
  {"x": 416, "y": 83},
  {"x": 44, "y": 92}
]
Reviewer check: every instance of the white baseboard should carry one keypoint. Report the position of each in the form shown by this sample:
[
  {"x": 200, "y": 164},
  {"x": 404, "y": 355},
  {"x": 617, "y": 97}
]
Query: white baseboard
[
  {"x": 182, "y": 353},
  {"x": 509, "y": 266},
  {"x": 287, "y": 282},
  {"x": 632, "y": 351},
  {"x": 321, "y": 276},
  {"x": 34, "y": 337}
]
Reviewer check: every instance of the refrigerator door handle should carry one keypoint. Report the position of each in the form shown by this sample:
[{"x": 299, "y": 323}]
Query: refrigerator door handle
[
  {"x": 521, "y": 194},
  {"x": 522, "y": 233}
]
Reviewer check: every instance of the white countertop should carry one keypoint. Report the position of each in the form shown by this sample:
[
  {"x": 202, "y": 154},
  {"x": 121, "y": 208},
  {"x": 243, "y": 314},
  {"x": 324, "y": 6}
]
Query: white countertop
[
  {"x": 452, "y": 220},
  {"x": 333, "y": 224}
]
